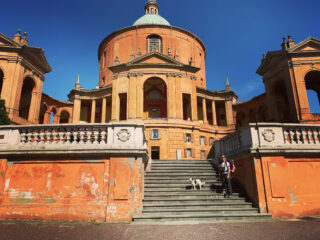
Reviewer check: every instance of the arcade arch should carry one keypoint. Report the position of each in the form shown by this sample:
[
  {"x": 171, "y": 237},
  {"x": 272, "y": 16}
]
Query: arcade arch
[
  {"x": 64, "y": 117},
  {"x": 155, "y": 98},
  {"x": 28, "y": 88},
  {"x": 312, "y": 80}
]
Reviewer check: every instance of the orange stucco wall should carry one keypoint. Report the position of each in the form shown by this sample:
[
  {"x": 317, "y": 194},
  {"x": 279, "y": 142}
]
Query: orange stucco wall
[
  {"x": 284, "y": 186},
  {"x": 71, "y": 189}
]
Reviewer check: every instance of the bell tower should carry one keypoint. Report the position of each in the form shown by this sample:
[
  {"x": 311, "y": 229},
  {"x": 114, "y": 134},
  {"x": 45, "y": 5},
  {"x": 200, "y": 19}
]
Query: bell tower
[{"x": 152, "y": 7}]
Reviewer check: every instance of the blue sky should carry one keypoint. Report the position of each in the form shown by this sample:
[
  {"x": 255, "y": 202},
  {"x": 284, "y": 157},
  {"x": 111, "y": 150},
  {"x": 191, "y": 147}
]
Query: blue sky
[{"x": 236, "y": 34}]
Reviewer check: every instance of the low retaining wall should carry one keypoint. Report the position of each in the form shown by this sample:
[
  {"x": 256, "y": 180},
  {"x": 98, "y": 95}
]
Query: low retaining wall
[
  {"x": 72, "y": 172},
  {"x": 278, "y": 165}
]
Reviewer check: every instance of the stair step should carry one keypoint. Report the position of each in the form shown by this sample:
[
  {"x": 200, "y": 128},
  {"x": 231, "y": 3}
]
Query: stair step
[
  {"x": 188, "y": 193},
  {"x": 196, "y": 204},
  {"x": 169, "y": 174},
  {"x": 200, "y": 211},
  {"x": 202, "y": 217}
]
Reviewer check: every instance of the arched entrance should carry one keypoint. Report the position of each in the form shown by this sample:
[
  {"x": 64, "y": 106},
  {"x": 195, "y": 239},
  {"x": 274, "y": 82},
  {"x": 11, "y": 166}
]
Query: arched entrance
[
  {"x": 26, "y": 97},
  {"x": 1, "y": 81},
  {"x": 64, "y": 117},
  {"x": 155, "y": 98},
  {"x": 312, "y": 80}
]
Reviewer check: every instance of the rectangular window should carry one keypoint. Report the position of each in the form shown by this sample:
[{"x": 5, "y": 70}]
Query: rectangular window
[
  {"x": 203, "y": 154},
  {"x": 188, "y": 137},
  {"x": 189, "y": 153},
  {"x": 202, "y": 140},
  {"x": 211, "y": 141},
  {"x": 155, "y": 134},
  {"x": 104, "y": 59}
]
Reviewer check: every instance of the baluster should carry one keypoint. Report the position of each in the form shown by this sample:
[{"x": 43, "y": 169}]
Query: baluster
[
  {"x": 61, "y": 135},
  {"x": 103, "y": 135},
  {"x": 55, "y": 136},
  {"x": 89, "y": 134},
  {"x": 317, "y": 136},
  {"x": 308, "y": 135},
  {"x": 313, "y": 135},
  {"x": 285, "y": 134},
  {"x": 48, "y": 135},
  {"x": 82, "y": 133},
  {"x": 23, "y": 136},
  {"x": 291, "y": 135},
  {"x": 96, "y": 135},
  {"x": 29, "y": 138},
  {"x": 41, "y": 136},
  {"x": 75, "y": 136},
  {"x": 68, "y": 136},
  {"x": 303, "y": 133}
]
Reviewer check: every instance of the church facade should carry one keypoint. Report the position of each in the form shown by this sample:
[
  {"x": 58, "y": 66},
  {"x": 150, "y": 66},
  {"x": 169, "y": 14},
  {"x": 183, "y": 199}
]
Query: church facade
[{"x": 151, "y": 73}]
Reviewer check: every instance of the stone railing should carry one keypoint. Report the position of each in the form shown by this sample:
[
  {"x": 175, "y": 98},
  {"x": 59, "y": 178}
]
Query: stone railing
[
  {"x": 271, "y": 137},
  {"x": 75, "y": 138}
]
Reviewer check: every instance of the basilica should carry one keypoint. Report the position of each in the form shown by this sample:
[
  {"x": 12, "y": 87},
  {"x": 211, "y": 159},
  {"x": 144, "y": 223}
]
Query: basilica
[
  {"x": 151, "y": 73},
  {"x": 98, "y": 156}
]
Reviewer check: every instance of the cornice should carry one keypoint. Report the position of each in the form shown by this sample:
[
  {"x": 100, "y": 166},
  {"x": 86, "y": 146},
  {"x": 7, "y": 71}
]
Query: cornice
[{"x": 150, "y": 72}]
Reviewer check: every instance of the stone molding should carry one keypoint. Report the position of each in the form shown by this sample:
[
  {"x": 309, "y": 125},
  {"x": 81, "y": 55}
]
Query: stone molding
[
  {"x": 272, "y": 139},
  {"x": 73, "y": 139},
  {"x": 141, "y": 73}
]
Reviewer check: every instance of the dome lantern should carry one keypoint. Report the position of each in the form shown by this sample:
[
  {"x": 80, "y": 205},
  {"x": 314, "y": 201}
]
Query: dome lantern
[{"x": 151, "y": 16}]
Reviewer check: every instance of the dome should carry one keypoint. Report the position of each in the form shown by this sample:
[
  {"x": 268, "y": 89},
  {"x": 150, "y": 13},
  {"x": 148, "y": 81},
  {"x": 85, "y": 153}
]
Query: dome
[{"x": 151, "y": 19}]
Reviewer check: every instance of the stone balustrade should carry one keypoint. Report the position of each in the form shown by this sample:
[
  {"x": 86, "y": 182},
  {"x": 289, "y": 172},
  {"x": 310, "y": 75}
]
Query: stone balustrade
[
  {"x": 75, "y": 138},
  {"x": 272, "y": 138}
]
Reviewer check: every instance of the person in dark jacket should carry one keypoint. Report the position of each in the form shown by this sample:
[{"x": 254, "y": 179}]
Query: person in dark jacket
[{"x": 226, "y": 176}]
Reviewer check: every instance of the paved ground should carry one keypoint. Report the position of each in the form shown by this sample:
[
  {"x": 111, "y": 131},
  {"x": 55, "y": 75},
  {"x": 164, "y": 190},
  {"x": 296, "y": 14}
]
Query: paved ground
[{"x": 303, "y": 229}]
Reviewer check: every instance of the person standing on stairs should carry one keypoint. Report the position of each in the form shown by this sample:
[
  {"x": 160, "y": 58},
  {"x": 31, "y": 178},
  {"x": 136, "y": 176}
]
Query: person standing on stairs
[{"x": 226, "y": 176}]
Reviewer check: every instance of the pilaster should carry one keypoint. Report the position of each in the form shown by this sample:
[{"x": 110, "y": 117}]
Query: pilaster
[
  {"x": 76, "y": 109},
  {"x": 93, "y": 111}
]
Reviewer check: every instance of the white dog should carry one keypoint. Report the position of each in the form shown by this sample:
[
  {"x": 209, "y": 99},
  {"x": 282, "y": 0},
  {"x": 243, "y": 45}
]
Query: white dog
[{"x": 196, "y": 182}]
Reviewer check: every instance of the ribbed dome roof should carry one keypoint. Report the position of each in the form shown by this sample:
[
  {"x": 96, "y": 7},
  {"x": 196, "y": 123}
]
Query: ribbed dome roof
[{"x": 151, "y": 19}]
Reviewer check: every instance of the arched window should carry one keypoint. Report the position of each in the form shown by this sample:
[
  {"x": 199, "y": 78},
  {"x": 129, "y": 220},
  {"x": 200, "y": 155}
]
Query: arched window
[
  {"x": 154, "y": 43},
  {"x": 25, "y": 98},
  {"x": 155, "y": 98},
  {"x": 1, "y": 81},
  {"x": 64, "y": 117},
  {"x": 312, "y": 80}
]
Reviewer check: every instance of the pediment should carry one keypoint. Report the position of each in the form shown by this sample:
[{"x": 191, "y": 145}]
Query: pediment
[
  {"x": 7, "y": 42},
  {"x": 309, "y": 45},
  {"x": 154, "y": 58}
]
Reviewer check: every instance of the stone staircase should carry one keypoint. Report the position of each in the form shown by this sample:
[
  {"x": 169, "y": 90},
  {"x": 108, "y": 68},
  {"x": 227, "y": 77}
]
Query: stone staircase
[{"x": 169, "y": 197}]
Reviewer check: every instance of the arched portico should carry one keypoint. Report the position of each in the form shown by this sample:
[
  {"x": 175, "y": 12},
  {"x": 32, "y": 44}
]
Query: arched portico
[
  {"x": 312, "y": 80},
  {"x": 155, "y": 98},
  {"x": 28, "y": 92}
]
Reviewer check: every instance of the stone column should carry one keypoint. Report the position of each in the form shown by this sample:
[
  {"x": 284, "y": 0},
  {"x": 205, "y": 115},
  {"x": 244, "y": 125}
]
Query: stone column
[
  {"x": 132, "y": 96},
  {"x": 32, "y": 107},
  {"x": 171, "y": 96},
  {"x": 229, "y": 112},
  {"x": 140, "y": 96},
  {"x": 104, "y": 110},
  {"x": 194, "y": 102},
  {"x": 214, "y": 114},
  {"x": 204, "y": 110},
  {"x": 76, "y": 109},
  {"x": 93, "y": 111},
  {"x": 115, "y": 100},
  {"x": 178, "y": 98}
]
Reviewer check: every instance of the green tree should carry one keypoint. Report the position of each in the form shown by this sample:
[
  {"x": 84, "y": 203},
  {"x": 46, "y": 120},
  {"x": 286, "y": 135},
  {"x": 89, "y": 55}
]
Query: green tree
[{"x": 4, "y": 119}]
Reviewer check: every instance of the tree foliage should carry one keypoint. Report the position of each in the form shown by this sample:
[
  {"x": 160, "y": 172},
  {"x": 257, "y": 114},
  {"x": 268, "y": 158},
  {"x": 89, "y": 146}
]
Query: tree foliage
[{"x": 4, "y": 119}]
